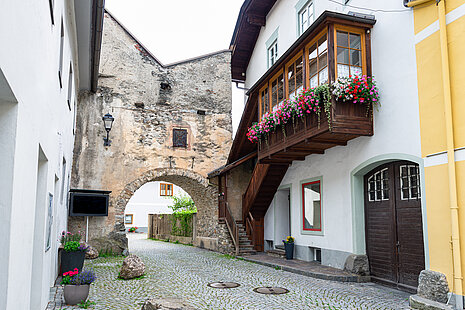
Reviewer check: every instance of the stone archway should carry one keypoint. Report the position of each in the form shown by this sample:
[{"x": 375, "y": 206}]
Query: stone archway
[{"x": 205, "y": 197}]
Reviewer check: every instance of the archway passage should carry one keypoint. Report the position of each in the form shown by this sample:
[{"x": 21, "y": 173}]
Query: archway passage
[
  {"x": 394, "y": 230},
  {"x": 204, "y": 195}
]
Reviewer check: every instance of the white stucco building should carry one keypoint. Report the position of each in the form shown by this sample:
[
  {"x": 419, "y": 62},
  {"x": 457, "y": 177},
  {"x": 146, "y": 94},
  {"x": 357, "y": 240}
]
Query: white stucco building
[
  {"x": 150, "y": 198},
  {"x": 328, "y": 187},
  {"x": 49, "y": 53}
]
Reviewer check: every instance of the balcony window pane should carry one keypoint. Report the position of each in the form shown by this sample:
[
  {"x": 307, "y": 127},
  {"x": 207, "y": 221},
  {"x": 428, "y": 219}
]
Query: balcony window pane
[
  {"x": 281, "y": 88},
  {"x": 355, "y": 58},
  {"x": 342, "y": 39},
  {"x": 291, "y": 78},
  {"x": 323, "y": 60},
  {"x": 323, "y": 76},
  {"x": 342, "y": 71},
  {"x": 314, "y": 81},
  {"x": 322, "y": 44},
  {"x": 357, "y": 71},
  {"x": 342, "y": 55},
  {"x": 355, "y": 41},
  {"x": 299, "y": 73}
]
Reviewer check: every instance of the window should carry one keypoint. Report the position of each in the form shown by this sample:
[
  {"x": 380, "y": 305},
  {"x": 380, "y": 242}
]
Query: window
[
  {"x": 410, "y": 182},
  {"x": 264, "y": 101},
  {"x": 128, "y": 219},
  {"x": 348, "y": 53},
  {"x": 60, "y": 65},
  {"x": 318, "y": 61},
  {"x": 166, "y": 189},
  {"x": 295, "y": 77},
  {"x": 63, "y": 177},
  {"x": 179, "y": 137},
  {"x": 272, "y": 53},
  {"x": 70, "y": 85},
  {"x": 378, "y": 186},
  {"x": 306, "y": 17},
  {"x": 277, "y": 91},
  {"x": 311, "y": 206}
]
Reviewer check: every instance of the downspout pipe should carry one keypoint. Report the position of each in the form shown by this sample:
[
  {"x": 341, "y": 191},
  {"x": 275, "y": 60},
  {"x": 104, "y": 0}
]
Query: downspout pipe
[
  {"x": 453, "y": 204},
  {"x": 450, "y": 150}
]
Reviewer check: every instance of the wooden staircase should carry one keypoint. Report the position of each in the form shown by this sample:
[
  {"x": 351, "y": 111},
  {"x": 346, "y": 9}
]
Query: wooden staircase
[
  {"x": 245, "y": 245},
  {"x": 262, "y": 187}
]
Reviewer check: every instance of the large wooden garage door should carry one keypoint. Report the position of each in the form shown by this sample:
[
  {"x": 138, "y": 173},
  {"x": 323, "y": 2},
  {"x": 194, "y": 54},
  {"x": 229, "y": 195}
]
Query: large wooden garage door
[{"x": 393, "y": 224}]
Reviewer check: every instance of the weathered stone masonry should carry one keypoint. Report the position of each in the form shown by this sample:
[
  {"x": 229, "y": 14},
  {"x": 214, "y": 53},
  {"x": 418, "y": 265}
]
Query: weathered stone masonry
[{"x": 149, "y": 100}]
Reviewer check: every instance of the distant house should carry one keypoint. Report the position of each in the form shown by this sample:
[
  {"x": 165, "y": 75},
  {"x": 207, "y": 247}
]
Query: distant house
[
  {"x": 150, "y": 198},
  {"x": 345, "y": 178},
  {"x": 49, "y": 54}
]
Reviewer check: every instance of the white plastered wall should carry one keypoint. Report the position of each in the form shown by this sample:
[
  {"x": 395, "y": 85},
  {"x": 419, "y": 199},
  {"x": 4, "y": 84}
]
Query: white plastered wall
[
  {"x": 396, "y": 123},
  {"x": 147, "y": 200},
  {"x": 29, "y": 60}
]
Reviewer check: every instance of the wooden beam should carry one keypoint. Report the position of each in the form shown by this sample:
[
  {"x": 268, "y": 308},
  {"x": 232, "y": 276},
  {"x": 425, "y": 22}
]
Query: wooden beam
[
  {"x": 308, "y": 150},
  {"x": 329, "y": 141},
  {"x": 256, "y": 19}
]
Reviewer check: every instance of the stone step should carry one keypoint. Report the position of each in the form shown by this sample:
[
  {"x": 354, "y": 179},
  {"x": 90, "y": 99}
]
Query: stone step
[
  {"x": 280, "y": 247},
  {"x": 245, "y": 246},
  {"x": 247, "y": 252},
  {"x": 277, "y": 253}
]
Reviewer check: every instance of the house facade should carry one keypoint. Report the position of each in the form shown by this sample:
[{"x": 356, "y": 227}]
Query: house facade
[
  {"x": 150, "y": 198},
  {"x": 48, "y": 51},
  {"x": 349, "y": 180}
]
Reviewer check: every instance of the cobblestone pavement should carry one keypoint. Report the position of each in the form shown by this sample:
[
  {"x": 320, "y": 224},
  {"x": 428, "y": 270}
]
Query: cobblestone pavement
[{"x": 183, "y": 272}]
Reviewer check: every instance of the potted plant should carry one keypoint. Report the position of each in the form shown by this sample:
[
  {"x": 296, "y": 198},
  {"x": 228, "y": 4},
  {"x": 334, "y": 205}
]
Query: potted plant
[
  {"x": 289, "y": 247},
  {"x": 132, "y": 229},
  {"x": 73, "y": 253},
  {"x": 77, "y": 285}
]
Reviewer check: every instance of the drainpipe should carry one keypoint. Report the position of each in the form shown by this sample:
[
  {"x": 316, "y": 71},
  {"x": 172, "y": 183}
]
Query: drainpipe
[{"x": 456, "y": 253}]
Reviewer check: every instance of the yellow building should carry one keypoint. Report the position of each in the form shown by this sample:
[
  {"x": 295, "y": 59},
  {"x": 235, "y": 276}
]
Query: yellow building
[{"x": 440, "y": 55}]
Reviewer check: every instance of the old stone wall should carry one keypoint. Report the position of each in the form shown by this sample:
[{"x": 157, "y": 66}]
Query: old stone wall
[
  {"x": 149, "y": 100},
  {"x": 238, "y": 180}
]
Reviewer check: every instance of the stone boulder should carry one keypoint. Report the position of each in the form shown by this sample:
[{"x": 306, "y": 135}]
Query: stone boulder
[
  {"x": 133, "y": 267},
  {"x": 165, "y": 304},
  {"x": 433, "y": 285},
  {"x": 91, "y": 253},
  {"x": 357, "y": 264}
]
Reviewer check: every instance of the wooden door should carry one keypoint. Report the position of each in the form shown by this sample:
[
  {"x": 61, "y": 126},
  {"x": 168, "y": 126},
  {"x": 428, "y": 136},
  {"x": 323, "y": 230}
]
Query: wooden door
[{"x": 393, "y": 224}]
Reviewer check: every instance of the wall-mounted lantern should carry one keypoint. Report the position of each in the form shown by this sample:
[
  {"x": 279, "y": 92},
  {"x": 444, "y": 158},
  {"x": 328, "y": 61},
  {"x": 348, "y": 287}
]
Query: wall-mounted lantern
[{"x": 108, "y": 122}]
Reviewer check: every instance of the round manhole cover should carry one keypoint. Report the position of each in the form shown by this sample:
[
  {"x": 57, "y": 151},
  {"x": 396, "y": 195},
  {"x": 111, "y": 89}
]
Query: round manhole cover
[
  {"x": 223, "y": 284},
  {"x": 270, "y": 290}
]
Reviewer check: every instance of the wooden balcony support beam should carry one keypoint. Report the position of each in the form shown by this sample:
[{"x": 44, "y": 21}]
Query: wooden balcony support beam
[{"x": 328, "y": 141}]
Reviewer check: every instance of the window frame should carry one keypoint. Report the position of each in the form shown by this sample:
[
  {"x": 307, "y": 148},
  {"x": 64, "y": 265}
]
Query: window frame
[
  {"x": 307, "y": 55},
  {"x": 309, "y": 231},
  {"x": 363, "y": 46},
  {"x": 52, "y": 5},
  {"x": 271, "y": 42},
  {"x": 286, "y": 74},
  {"x": 62, "y": 51},
  {"x": 173, "y": 138},
  {"x": 300, "y": 13},
  {"x": 272, "y": 57},
  {"x": 260, "y": 109},
  {"x": 132, "y": 219},
  {"x": 167, "y": 191}
]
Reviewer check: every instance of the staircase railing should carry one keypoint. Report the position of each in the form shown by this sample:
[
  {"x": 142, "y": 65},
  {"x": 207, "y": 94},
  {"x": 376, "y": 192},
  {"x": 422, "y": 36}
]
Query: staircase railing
[
  {"x": 258, "y": 175},
  {"x": 232, "y": 227},
  {"x": 249, "y": 223}
]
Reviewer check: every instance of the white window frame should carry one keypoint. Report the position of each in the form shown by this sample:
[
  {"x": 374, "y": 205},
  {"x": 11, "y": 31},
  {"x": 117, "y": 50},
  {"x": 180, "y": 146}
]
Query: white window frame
[
  {"x": 272, "y": 52},
  {"x": 308, "y": 7}
]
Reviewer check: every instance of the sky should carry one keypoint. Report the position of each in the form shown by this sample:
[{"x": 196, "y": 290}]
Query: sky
[{"x": 179, "y": 29}]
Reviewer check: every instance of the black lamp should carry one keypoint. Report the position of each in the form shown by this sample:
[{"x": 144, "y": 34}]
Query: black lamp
[{"x": 108, "y": 122}]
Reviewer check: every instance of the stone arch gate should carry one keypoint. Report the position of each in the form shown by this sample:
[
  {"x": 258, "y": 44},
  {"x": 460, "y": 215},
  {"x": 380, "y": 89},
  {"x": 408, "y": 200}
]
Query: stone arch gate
[{"x": 209, "y": 234}]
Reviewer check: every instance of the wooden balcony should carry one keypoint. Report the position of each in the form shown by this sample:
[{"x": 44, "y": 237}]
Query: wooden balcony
[{"x": 310, "y": 136}]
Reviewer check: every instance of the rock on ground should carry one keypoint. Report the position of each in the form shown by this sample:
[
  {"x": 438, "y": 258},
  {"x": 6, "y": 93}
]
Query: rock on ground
[
  {"x": 165, "y": 304},
  {"x": 133, "y": 267},
  {"x": 433, "y": 285},
  {"x": 91, "y": 253}
]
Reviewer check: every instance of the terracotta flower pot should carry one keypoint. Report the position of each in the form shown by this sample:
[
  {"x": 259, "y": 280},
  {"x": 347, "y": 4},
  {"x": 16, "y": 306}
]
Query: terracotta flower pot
[{"x": 75, "y": 294}]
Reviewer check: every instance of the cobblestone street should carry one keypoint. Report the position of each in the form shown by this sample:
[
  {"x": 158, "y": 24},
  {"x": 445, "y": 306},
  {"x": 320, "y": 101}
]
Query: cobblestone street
[{"x": 183, "y": 272}]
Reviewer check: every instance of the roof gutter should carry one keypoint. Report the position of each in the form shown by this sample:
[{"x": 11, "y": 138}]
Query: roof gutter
[{"x": 98, "y": 7}]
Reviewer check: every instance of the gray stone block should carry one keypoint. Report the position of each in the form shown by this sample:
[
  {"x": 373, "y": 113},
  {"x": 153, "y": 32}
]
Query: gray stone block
[
  {"x": 433, "y": 285},
  {"x": 133, "y": 267},
  {"x": 421, "y": 303},
  {"x": 357, "y": 264}
]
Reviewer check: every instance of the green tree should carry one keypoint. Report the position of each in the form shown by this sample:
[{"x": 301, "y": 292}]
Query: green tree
[{"x": 183, "y": 209}]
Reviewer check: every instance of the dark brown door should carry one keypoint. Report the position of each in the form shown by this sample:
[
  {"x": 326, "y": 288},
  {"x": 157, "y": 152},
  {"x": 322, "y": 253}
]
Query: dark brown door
[{"x": 393, "y": 224}]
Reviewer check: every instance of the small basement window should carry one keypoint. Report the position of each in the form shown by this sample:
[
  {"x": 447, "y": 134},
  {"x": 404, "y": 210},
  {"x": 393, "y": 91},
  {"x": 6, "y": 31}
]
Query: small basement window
[{"x": 179, "y": 137}]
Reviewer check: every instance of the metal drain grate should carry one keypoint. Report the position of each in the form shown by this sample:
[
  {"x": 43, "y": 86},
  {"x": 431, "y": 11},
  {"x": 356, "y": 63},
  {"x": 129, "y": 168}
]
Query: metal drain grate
[
  {"x": 270, "y": 290},
  {"x": 223, "y": 284}
]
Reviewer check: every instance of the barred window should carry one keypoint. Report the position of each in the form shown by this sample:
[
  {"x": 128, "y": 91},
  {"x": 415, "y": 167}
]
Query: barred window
[{"x": 180, "y": 137}]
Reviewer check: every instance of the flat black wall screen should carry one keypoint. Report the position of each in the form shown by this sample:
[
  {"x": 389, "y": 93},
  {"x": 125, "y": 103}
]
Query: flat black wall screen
[
  {"x": 88, "y": 204},
  {"x": 180, "y": 137}
]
